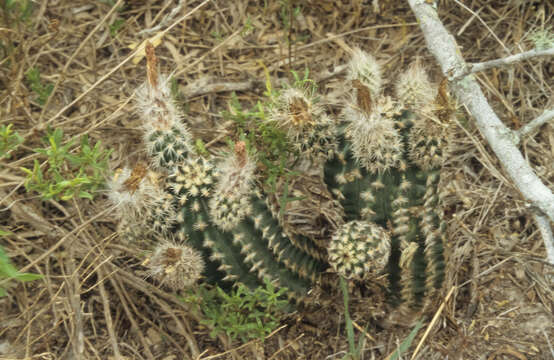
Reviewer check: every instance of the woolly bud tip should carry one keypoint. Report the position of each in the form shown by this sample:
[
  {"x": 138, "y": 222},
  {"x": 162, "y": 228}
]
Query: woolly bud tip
[
  {"x": 363, "y": 96},
  {"x": 364, "y": 67},
  {"x": 240, "y": 151},
  {"x": 138, "y": 173},
  {"x": 413, "y": 88},
  {"x": 376, "y": 143},
  {"x": 296, "y": 111},
  {"x": 176, "y": 266},
  {"x": 134, "y": 191},
  {"x": 151, "y": 65},
  {"x": 359, "y": 249},
  {"x": 236, "y": 172},
  {"x": 231, "y": 201}
]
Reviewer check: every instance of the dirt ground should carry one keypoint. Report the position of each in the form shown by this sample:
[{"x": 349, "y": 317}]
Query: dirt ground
[{"x": 95, "y": 301}]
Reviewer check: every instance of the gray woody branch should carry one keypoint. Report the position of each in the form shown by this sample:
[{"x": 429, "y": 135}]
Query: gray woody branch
[
  {"x": 537, "y": 122},
  {"x": 501, "y": 139},
  {"x": 509, "y": 60}
]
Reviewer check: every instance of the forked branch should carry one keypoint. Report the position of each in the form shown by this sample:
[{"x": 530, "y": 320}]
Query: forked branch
[{"x": 501, "y": 139}]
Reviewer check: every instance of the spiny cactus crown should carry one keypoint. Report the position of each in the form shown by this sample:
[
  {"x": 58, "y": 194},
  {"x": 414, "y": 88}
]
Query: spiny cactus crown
[{"x": 359, "y": 250}]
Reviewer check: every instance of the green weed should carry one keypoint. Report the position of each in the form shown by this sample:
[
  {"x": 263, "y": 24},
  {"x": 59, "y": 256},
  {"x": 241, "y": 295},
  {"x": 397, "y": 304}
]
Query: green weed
[
  {"x": 66, "y": 174},
  {"x": 405, "y": 345},
  {"x": 116, "y": 26},
  {"x": 17, "y": 10},
  {"x": 42, "y": 90},
  {"x": 263, "y": 137},
  {"x": 8, "y": 272},
  {"x": 9, "y": 140},
  {"x": 242, "y": 313}
]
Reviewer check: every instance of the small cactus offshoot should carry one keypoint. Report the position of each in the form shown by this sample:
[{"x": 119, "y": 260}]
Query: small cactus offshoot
[
  {"x": 176, "y": 266},
  {"x": 359, "y": 250}
]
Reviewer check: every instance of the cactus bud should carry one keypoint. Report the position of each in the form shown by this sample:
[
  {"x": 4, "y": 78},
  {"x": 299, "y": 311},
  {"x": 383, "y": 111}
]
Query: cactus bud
[
  {"x": 167, "y": 139},
  {"x": 359, "y": 249},
  {"x": 413, "y": 88},
  {"x": 364, "y": 68},
  {"x": 177, "y": 266},
  {"x": 376, "y": 143},
  {"x": 308, "y": 128},
  {"x": 231, "y": 200}
]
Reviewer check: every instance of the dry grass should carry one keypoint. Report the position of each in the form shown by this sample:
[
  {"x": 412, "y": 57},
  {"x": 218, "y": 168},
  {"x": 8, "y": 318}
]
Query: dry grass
[{"x": 93, "y": 301}]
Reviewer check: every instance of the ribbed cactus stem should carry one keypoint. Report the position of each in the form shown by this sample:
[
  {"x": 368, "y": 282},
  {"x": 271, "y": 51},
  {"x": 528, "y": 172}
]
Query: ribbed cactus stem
[
  {"x": 167, "y": 139},
  {"x": 191, "y": 185},
  {"x": 432, "y": 226}
]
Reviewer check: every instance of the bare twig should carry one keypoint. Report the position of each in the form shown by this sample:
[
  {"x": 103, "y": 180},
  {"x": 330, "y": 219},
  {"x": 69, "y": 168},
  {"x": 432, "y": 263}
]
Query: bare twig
[
  {"x": 444, "y": 48},
  {"x": 546, "y": 116},
  {"x": 108, "y": 316},
  {"x": 546, "y": 231},
  {"x": 509, "y": 60},
  {"x": 432, "y": 323}
]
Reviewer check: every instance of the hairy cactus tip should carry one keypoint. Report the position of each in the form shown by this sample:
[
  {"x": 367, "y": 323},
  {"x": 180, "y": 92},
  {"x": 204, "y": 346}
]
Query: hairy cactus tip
[
  {"x": 364, "y": 68},
  {"x": 133, "y": 191},
  {"x": 413, "y": 88},
  {"x": 308, "y": 127},
  {"x": 359, "y": 250},
  {"x": 376, "y": 143},
  {"x": 167, "y": 139},
  {"x": 177, "y": 266},
  {"x": 231, "y": 201},
  {"x": 140, "y": 201}
]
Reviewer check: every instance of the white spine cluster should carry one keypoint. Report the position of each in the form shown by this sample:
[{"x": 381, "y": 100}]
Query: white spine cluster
[
  {"x": 364, "y": 68},
  {"x": 231, "y": 200},
  {"x": 134, "y": 192},
  {"x": 413, "y": 88},
  {"x": 376, "y": 143},
  {"x": 308, "y": 128},
  {"x": 359, "y": 249},
  {"x": 174, "y": 265}
]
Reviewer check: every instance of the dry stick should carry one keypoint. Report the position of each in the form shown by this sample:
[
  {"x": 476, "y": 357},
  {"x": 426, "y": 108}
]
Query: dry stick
[
  {"x": 546, "y": 231},
  {"x": 433, "y": 321},
  {"x": 134, "y": 325},
  {"x": 118, "y": 66},
  {"x": 546, "y": 116},
  {"x": 508, "y": 60},
  {"x": 70, "y": 60},
  {"x": 501, "y": 139},
  {"x": 63, "y": 239},
  {"x": 108, "y": 316}
]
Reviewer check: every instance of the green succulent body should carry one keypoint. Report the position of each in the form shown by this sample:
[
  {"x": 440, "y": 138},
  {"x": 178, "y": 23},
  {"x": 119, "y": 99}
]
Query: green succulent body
[{"x": 404, "y": 201}]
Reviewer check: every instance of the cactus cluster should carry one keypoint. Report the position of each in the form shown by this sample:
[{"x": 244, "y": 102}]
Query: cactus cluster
[{"x": 379, "y": 164}]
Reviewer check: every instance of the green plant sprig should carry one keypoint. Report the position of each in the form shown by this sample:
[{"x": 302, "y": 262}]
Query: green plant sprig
[
  {"x": 9, "y": 140},
  {"x": 43, "y": 90},
  {"x": 241, "y": 313},
  {"x": 9, "y": 272},
  {"x": 67, "y": 174}
]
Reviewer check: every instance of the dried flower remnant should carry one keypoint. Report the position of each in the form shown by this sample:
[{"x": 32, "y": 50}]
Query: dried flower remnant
[{"x": 174, "y": 265}]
